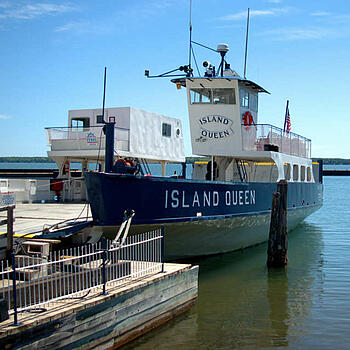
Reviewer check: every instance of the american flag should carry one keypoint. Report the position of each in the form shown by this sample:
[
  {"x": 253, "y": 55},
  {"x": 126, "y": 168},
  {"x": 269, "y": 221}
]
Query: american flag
[{"x": 287, "y": 123}]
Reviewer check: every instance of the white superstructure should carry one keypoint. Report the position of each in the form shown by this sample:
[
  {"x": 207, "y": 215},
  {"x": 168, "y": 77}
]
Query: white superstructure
[
  {"x": 138, "y": 134},
  {"x": 223, "y": 116}
]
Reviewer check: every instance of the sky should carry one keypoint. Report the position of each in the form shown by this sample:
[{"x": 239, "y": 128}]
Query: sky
[{"x": 53, "y": 54}]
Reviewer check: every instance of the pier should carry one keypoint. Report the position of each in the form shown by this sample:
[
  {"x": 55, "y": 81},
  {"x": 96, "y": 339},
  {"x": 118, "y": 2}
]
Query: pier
[
  {"x": 98, "y": 295},
  {"x": 111, "y": 320}
]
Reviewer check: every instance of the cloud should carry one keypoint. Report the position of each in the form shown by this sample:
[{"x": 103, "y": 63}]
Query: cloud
[
  {"x": 30, "y": 11},
  {"x": 255, "y": 13},
  {"x": 112, "y": 21},
  {"x": 320, "y": 14},
  {"x": 286, "y": 34},
  {"x": 5, "y": 117},
  {"x": 87, "y": 27},
  {"x": 274, "y": 1}
]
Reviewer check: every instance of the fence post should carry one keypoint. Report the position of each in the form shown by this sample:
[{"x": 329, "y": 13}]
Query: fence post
[
  {"x": 162, "y": 248},
  {"x": 103, "y": 243},
  {"x": 14, "y": 288},
  {"x": 10, "y": 220}
]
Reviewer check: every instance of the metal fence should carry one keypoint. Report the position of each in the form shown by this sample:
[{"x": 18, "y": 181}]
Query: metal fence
[
  {"x": 266, "y": 137},
  {"x": 32, "y": 282}
]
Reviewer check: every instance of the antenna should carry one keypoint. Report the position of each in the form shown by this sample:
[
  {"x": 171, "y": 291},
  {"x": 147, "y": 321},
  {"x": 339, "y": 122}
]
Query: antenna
[
  {"x": 246, "y": 46},
  {"x": 190, "y": 48}
]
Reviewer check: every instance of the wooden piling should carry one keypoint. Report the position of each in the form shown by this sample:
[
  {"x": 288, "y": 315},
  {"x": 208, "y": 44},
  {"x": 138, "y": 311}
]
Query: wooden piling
[{"x": 278, "y": 240}]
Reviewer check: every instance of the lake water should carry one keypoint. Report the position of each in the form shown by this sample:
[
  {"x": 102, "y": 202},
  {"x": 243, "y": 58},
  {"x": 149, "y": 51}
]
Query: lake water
[{"x": 242, "y": 305}]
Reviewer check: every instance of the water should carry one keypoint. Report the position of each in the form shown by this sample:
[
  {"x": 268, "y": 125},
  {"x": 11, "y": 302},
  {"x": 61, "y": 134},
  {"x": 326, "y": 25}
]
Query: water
[{"x": 242, "y": 305}]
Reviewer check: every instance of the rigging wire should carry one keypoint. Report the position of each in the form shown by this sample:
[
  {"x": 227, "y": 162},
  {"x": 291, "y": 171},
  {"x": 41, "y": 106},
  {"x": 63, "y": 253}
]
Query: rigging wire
[
  {"x": 195, "y": 61},
  {"x": 206, "y": 47}
]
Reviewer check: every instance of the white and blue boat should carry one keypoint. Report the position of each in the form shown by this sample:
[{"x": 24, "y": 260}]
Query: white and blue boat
[{"x": 226, "y": 204}]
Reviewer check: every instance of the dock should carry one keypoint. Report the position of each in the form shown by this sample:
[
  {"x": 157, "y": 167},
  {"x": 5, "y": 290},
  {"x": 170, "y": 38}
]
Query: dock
[
  {"x": 99, "y": 295},
  {"x": 105, "y": 321},
  {"x": 34, "y": 217}
]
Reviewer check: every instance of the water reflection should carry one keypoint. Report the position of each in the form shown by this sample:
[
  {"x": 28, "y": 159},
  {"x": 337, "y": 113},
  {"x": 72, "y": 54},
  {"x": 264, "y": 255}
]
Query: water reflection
[
  {"x": 277, "y": 294},
  {"x": 242, "y": 304}
]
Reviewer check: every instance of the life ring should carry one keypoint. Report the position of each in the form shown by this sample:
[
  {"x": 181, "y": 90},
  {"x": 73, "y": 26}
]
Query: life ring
[{"x": 248, "y": 119}]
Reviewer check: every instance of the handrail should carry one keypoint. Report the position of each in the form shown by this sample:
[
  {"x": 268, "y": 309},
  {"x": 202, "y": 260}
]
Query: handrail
[
  {"x": 279, "y": 129},
  {"x": 267, "y": 137}
]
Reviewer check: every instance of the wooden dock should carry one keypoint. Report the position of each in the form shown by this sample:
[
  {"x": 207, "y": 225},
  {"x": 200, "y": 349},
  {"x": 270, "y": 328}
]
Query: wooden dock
[{"x": 106, "y": 321}]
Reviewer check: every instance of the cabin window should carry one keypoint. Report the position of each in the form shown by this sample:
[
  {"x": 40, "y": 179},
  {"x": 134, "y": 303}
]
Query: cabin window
[
  {"x": 224, "y": 96},
  {"x": 200, "y": 96},
  {"x": 244, "y": 98},
  {"x": 253, "y": 102},
  {"x": 295, "y": 172},
  {"x": 213, "y": 96},
  {"x": 287, "y": 171},
  {"x": 302, "y": 173},
  {"x": 80, "y": 123},
  {"x": 166, "y": 130},
  {"x": 308, "y": 173},
  {"x": 99, "y": 119}
]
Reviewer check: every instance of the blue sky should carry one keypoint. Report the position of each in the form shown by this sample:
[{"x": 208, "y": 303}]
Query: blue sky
[{"x": 53, "y": 53}]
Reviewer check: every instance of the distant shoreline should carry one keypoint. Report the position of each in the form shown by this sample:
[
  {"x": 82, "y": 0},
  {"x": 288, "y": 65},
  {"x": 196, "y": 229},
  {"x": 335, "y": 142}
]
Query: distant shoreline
[
  {"x": 326, "y": 161},
  {"x": 26, "y": 160}
]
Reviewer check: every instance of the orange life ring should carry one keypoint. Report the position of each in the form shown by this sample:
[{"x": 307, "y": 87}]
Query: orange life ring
[{"x": 248, "y": 119}]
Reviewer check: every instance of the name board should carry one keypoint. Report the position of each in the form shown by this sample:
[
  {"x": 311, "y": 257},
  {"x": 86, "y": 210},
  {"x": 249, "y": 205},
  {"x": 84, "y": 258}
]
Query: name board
[
  {"x": 214, "y": 127},
  {"x": 201, "y": 199}
]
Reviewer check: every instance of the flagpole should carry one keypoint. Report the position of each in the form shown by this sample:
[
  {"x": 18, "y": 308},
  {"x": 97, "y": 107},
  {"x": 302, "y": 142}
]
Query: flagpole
[
  {"x": 285, "y": 116},
  {"x": 246, "y": 46}
]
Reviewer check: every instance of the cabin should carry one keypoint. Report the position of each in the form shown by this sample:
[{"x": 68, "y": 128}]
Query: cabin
[{"x": 138, "y": 134}]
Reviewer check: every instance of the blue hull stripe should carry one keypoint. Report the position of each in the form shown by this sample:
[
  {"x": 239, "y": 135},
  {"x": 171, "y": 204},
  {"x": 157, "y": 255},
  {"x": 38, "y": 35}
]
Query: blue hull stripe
[{"x": 166, "y": 200}]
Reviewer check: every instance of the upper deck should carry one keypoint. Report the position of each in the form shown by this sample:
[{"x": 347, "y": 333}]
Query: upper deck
[{"x": 137, "y": 133}]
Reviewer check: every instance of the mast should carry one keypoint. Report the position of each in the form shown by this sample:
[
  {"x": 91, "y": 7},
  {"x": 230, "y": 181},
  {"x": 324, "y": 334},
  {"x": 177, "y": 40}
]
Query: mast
[
  {"x": 190, "y": 46},
  {"x": 246, "y": 46}
]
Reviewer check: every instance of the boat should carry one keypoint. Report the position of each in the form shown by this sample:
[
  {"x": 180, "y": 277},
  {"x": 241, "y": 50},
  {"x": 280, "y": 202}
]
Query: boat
[{"x": 226, "y": 204}]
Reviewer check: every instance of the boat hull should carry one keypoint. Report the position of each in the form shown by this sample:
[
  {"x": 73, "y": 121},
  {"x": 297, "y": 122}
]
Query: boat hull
[{"x": 200, "y": 217}]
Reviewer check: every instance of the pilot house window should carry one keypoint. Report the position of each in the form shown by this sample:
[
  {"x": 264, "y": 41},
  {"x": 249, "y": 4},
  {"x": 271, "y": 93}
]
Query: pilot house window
[
  {"x": 244, "y": 95},
  {"x": 213, "y": 96},
  {"x": 166, "y": 130}
]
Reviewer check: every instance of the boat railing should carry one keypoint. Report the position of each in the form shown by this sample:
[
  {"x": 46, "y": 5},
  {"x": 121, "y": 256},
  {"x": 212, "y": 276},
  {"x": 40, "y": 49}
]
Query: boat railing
[
  {"x": 89, "y": 138},
  {"x": 266, "y": 137}
]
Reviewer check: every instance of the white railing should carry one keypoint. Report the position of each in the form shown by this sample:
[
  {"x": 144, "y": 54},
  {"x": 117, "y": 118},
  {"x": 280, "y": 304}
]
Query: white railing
[
  {"x": 32, "y": 282},
  {"x": 265, "y": 137},
  {"x": 91, "y": 138}
]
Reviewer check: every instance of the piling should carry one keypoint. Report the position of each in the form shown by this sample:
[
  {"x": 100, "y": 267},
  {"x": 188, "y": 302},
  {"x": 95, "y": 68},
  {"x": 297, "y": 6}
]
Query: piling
[{"x": 278, "y": 240}]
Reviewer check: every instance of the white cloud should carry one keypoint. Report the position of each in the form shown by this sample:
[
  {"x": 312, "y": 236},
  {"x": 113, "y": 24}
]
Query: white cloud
[
  {"x": 133, "y": 12},
  {"x": 300, "y": 33},
  {"x": 320, "y": 14},
  {"x": 87, "y": 27},
  {"x": 5, "y": 117},
  {"x": 255, "y": 13},
  {"x": 31, "y": 11},
  {"x": 274, "y": 1}
]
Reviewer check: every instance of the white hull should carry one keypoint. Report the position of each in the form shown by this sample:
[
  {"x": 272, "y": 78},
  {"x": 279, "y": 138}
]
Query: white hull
[{"x": 208, "y": 237}]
